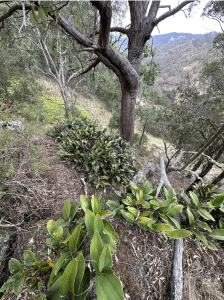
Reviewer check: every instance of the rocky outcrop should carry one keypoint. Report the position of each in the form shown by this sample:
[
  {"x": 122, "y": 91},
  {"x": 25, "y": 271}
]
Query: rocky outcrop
[
  {"x": 12, "y": 125},
  {"x": 146, "y": 173}
]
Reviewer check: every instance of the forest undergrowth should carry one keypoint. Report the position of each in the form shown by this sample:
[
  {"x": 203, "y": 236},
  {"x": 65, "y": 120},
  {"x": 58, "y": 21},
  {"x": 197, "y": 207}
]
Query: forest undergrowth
[{"x": 38, "y": 182}]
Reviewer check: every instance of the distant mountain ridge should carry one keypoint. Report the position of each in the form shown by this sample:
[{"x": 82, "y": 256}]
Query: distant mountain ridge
[
  {"x": 179, "y": 59},
  {"x": 176, "y": 37},
  {"x": 169, "y": 38}
]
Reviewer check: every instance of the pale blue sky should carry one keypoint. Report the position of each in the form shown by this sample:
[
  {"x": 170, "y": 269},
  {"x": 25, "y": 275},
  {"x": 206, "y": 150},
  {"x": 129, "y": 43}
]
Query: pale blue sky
[{"x": 179, "y": 23}]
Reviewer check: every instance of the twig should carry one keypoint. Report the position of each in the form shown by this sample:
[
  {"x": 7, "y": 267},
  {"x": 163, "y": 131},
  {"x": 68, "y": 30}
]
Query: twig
[
  {"x": 85, "y": 186},
  {"x": 195, "y": 174}
]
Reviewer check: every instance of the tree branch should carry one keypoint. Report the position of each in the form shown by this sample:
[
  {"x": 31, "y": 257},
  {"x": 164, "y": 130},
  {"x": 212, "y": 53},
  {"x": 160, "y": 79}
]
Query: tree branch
[
  {"x": 119, "y": 29},
  {"x": 105, "y": 10},
  {"x": 87, "y": 69},
  {"x": 13, "y": 9},
  {"x": 210, "y": 142},
  {"x": 172, "y": 12},
  {"x": 80, "y": 38},
  {"x": 112, "y": 29}
]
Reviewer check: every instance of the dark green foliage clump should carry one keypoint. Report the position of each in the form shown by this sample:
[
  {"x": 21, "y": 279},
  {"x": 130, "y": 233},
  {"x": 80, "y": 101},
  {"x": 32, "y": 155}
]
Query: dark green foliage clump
[{"x": 104, "y": 159}]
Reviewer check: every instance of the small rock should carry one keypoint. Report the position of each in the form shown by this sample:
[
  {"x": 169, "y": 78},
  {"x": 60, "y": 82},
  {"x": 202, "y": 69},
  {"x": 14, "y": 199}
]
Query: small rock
[
  {"x": 139, "y": 179},
  {"x": 149, "y": 170},
  {"x": 12, "y": 125}
]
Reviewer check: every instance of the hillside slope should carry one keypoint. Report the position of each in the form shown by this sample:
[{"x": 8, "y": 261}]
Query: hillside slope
[{"x": 178, "y": 59}]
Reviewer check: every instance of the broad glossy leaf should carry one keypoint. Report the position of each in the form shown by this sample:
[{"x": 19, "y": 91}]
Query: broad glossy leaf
[
  {"x": 85, "y": 203},
  {"x": 54, "y": 291},
  {"x": 50, "y": 226},
  {"x": 58, "y": 233},
  {"x": 163, "y": 227},
  {"x": 173, "y": 222},
  {"x": 166, "y": 203},
  {"x": 205, "y": 214},
  {"x": 190, "y": 216},
  {"x": 106, "y": 213},
  {"x": 98, "y": 224},
  {"x": 211, "y": 246},
  {"x": 145, "y": 204},
  {"x": 96, "y": 248},
  {"x": 170, "y": 194},
  {"x": 218, "y": 201},
  {"x": 133, "y": 210},
  {"x": 29, "y": 258},
  {"x": 105, "y": 260},
  {"x": 186, "y": 198},
  {"x": 179, "y": 233},
  {"x": 128, "y": 216},
  {"x": 127, "y": 201},
  {"x": 80, "y": 272},
  {"x": 60, "y": 262},
  {"x": 68, "y": 278},
  {"x": 96, "y": 205},
  {"x": 203, "y": 225},
  {"x": 108, "y": 287},
  {"x": 144, "y": 226},
  {"x": 200, "y": 236},
  {"x": 145, "y": 214},
  {"x": 108, "y": 228},
  {"x": 18, "y": 284},
  {"x": 84, "y": 286},
  {"x": 15, "y": 266},
  {"x": 108, "y": 240},
  {"x": 144, "y": 220},
  {"x": 73, "y": 242},
  {"x": 140, "y": 198},
  {"x": 194, "y": 199},
  {"x": 217, "y": 234},
  {"x": 89, "y": 221},
  {"x": 174, "y": 210},
  {"x": 154, "y": 202},
  {"x": 73, "y": 211},
  {"x": 113, "y": 204}
]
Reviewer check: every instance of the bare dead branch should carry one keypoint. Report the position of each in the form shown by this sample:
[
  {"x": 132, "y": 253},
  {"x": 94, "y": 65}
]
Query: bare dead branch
[{"x": 209, "y": 143}]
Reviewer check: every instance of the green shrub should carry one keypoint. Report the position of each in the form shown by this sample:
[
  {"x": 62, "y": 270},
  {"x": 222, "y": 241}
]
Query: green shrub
[
  {"x": 66, "y": 272},
  {"x": 104, "y": 159},
  {"x": 196, "y": 210},
  {"x": 81, "y": 112},
  {"x": 137, "y": 138},
  {"x": 54, "y": 113}
]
